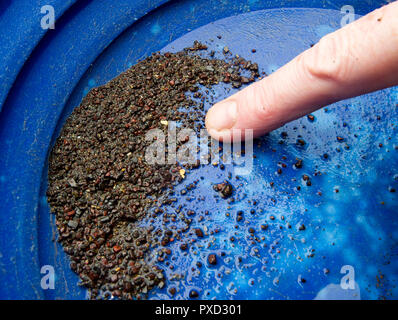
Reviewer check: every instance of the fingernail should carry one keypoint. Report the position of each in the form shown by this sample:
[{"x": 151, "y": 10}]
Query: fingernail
[{"x": 222, "y": 116}]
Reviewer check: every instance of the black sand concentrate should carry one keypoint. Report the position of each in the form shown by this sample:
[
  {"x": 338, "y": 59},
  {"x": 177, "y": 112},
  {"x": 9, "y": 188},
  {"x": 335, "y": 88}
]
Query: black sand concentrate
[{"x": 101, "y": 186}]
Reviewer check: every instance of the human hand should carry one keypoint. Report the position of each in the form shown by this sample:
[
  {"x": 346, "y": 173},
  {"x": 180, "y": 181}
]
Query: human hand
[{"x": 361, "y": 57}]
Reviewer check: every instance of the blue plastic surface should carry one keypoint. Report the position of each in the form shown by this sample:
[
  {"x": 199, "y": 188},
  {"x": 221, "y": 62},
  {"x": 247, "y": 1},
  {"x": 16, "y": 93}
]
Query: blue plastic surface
[{"x": 45, "y": 74}]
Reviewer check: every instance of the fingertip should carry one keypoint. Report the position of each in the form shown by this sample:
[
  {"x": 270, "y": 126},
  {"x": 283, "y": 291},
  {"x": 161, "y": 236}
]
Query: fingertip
[
  {"x": 220, "y": 135},
  {"x": 222, "y": 116}
]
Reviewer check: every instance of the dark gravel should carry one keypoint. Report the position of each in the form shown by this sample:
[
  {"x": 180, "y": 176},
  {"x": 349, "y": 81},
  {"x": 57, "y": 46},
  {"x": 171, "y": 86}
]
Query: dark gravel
[{"x": 100, "y": 185}]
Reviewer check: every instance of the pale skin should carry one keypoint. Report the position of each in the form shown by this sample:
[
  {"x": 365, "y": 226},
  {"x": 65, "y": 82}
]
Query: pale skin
[{"x": 360, "y": 58}]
